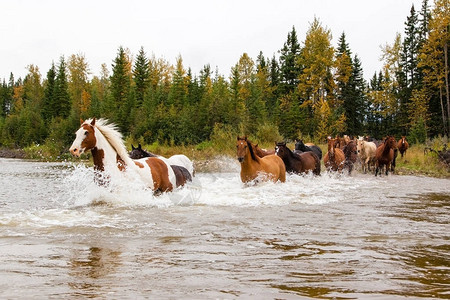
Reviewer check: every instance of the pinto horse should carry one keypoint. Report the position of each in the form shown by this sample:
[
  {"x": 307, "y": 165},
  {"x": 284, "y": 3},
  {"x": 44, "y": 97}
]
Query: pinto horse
[
  {"x": 252, "y": 165},
  {"x": 385, "y": 155},
  {"x": 402, "y": 146},
  {"x": 110, "y": 156},
  {"x": 301, "y": 147},
  {"x": 181, "y": 173},
  {"x": 298, "y": 162},
  {"x": 334, "y": 159}
]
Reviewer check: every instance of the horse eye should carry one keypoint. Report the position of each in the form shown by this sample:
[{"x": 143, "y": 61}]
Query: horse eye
[{"x": 86, "y": 132}]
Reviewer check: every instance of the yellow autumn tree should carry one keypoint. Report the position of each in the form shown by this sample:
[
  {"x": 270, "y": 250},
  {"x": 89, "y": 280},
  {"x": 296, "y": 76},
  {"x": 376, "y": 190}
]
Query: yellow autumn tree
[
  {"x": 433, "y": 58},
  {"x": 317, "y": 61}
]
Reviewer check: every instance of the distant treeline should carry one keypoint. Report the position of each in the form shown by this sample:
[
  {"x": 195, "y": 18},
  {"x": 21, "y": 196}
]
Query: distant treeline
[{"x": 308, "y": 89}]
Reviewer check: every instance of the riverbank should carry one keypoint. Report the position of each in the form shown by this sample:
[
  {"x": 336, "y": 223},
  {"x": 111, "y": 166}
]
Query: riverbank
[{"x": 208, "y": 158}]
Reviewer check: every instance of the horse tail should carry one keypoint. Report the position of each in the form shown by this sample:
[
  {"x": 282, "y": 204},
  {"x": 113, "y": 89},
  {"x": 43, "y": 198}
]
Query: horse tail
[{"x": 317, "y": 169}]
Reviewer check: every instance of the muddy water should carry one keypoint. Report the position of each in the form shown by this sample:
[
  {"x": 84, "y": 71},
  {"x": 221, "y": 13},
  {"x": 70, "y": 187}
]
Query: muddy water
[{"x": 335, "y": 237}]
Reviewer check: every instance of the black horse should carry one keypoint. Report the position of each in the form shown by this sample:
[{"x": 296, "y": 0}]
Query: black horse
[
  {"x": 181, "y": 173},
  {"x": 301, "y": 147},
  {"x": 298, "y": 163}
]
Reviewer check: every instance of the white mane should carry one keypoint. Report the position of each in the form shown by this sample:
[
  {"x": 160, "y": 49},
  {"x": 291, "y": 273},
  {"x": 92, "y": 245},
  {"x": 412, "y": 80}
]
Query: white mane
[{"x": 114, "y": 137}]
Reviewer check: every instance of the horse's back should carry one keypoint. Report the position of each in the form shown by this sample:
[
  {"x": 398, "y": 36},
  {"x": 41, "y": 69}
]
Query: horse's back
[
  {"x": 310, "y": 162},
  {"x": 182, "y": 160},
  {"x": 182, "y": 175},
  {"x": 274, "y": 165},
  {"x": 161, "y": 174},
  {"x": 317, "y": 151}
]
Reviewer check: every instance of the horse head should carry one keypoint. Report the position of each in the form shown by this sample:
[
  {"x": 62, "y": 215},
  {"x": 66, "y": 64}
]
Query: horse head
[
  {"x": 332, "y": 144},
  {"x": 390, "y": 142},
  {"x": 241, "y": 148},
  {"x": 84, "y": 138},
  {"x": 299, "y": 145},
  {"x": 138, "y": 153},
  {"x": 281, "y": 149}
]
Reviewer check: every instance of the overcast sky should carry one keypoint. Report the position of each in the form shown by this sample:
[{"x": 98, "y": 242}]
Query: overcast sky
[{"x": 202, "y": 32}]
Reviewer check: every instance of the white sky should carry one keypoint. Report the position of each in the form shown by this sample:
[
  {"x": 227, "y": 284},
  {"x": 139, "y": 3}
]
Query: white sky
[{"x": 201, "y": 31}]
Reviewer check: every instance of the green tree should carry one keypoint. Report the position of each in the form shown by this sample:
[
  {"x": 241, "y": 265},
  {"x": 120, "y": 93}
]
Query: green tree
[
  {"x": 289, "y": 68},
  {"x": 141, "y": 76},
  {"x": 48, "y": 105},
  {"x": 62, "y": 102},
  {"x": 118, "y": 103}
]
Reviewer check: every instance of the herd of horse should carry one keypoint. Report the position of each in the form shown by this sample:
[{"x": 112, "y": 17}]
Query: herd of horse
[
  {"x": 162, "y": 174},
  {"x": 343, "y": 154}
]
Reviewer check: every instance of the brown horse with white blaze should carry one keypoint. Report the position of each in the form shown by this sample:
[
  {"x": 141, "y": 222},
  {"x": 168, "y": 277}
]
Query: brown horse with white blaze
[
  {"x": 402, "y": 145},
  {"x": 385, "y": 155},
  {"x": 252, "y": 166},
  {"x": 334, "y": 159},
  {"x": 110, "y": 155}
]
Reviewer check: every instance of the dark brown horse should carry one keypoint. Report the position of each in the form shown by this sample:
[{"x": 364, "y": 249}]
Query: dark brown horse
[
  {"x": 298, "y": 163},
  {"x": 334, "y": 159},
  {"x": 351, "y": 155},
  {"x": 402, "y": 146},
  {"x": 301, "y": 147},
  {"x": 252, "y": 166},
  {"x": 384, "y": 155}
]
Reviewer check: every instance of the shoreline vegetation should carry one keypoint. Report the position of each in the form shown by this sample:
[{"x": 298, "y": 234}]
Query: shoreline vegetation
[{"x": 207, "y": 154}]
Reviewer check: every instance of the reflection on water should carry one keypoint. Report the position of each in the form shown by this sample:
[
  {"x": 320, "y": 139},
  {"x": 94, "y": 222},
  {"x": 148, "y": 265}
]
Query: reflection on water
[
  {"x": 327, "y": 237},
  {"x": 88, "y": 266}
]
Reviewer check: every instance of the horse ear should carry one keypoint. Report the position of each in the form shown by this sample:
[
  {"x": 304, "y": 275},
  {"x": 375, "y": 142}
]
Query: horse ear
[
  {"x": 245, "y": 138},
  {"x": 238, "y": 138},
  {"x": 81, "y": 121},
  {"x": 132, "y": 147},
  {"x": 139, "y": 146},
  {"x": 93, "y": 122}
]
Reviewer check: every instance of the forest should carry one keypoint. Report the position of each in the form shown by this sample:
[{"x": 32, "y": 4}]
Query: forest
[{"x": 309, "y": 89}]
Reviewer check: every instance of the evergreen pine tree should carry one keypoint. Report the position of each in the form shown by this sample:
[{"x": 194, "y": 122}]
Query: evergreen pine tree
[
  {"x": 289, "y": 68},
  {"x": 120, "y": 91},
  {"x": 141, "y": 75},
  {"x": 48, "y": 105},
  {"x": 62, "y": 101}
]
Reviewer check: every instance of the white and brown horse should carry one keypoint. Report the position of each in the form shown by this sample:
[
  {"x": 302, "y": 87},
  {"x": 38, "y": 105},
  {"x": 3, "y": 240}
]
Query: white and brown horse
[{"x": 110, "y": 155}]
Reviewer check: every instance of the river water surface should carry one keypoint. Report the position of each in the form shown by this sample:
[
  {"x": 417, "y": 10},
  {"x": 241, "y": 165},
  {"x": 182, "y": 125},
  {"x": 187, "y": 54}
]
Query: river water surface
[{"x": 327, "y": 237}]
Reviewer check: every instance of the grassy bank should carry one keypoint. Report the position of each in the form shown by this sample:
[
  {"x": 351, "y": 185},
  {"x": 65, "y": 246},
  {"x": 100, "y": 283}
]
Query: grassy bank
[{"x": 415, "y": 162}]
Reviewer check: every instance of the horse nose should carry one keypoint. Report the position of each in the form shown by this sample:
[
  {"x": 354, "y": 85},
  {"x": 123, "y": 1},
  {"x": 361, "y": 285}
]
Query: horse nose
[
  {"x": 240, "y": 159},
  {"x": 75, "y": 152}
]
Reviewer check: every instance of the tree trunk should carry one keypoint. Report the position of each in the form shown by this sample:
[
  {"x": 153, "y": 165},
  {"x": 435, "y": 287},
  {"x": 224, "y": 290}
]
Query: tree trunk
[
  {"x": 446, "y": 84},
  {"x": 444, "y": 121}
]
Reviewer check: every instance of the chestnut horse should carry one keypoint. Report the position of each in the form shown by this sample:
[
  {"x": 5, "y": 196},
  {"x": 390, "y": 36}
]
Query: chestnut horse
[
  {"x": 334, "y": 159},
  {"x": 110, "y": 155},
  {"x": 385, "y": 155},
  {"x": 181, "y": 173},
  {"x": 298, "y": 162},
  {"x": 262, "y": 152},
  {"x": 252, "y": 165},
  {"x": 402, "y": 146}
]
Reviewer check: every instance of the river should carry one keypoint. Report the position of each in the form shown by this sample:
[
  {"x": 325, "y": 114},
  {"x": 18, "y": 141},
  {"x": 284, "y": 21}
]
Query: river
[{"x": 326, "y": 237}]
